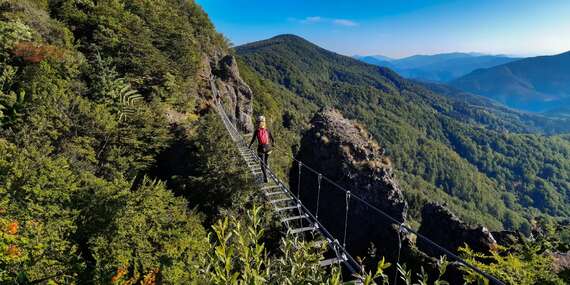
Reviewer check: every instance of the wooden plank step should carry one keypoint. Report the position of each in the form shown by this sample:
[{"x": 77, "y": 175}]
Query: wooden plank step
[
  {"x": 288, "y": 219},
  {"x": 274, "y": 193},
  {"x": 281, "y": 200},
  {"x": 330, "y": 261},
  {"x": 287, "y": 208},
  {"x": 301, "y": 230}
]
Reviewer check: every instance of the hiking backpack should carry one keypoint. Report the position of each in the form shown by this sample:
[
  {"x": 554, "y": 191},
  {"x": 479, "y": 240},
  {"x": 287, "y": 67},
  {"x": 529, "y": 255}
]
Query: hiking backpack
[{"x": 263, "y": 136}]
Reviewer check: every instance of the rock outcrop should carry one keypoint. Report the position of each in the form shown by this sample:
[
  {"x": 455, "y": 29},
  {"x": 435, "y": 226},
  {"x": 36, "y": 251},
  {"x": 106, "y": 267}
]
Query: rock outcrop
[
  {"x": 441, "y": 226},
  {"x": 561, "y": 262},
  {"x": 344, "y": 151},
  {"x": 234, "y": 92},
  {"x": 507, "y": 238}
]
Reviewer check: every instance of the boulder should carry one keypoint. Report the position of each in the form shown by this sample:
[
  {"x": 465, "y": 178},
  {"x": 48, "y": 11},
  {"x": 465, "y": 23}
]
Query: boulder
[
  {"x": 443, "y": 227},
  {"x": 344, "y": 151}
]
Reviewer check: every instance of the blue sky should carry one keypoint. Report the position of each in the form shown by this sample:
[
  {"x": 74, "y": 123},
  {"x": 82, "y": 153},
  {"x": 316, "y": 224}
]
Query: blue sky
[{"x": 401, "y": 28}]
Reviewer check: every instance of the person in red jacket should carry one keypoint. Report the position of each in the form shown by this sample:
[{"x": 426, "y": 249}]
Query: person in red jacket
[{"x": 264, "y": 142}]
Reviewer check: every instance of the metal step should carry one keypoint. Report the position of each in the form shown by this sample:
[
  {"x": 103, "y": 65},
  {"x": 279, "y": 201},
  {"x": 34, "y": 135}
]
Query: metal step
[
  {"x": 301, "y": 230},
  {"x": 293, "y": 218},
  {"x": 319, "y": 243},
  {"x": 265, "y": 188},
  {"x": 281, "y": 200},
  {"x": 287, "y": 208},
  {"x": 274, "y": 193},
  {"x": 330, "y": 261}
]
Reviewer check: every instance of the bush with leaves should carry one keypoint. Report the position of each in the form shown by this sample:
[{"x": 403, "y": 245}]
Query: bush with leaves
[
  {"x": 239, "y": 256},
  {"x": 528, "y": 265},
  {"x": 37, "y": 217},
  {"x": 153, "y": 233}
]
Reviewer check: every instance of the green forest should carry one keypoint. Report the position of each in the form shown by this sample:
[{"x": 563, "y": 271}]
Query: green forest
[
  {"x": 85, "y": 92},
  {"x": 114, "y": 168}
]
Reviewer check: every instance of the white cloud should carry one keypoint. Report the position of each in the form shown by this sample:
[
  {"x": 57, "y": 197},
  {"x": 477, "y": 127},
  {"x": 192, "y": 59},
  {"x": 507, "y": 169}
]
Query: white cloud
[
  {"x": 344, "y": 22},
  {"x": 313, "y": 19},
  {"x": 318, "y": 19}
]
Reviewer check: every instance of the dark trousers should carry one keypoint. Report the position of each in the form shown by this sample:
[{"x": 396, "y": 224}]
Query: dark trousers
[{"x": 264, "y": 158}]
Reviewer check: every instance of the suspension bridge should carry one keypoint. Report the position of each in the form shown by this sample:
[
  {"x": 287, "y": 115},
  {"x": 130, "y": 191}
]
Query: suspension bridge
[{"x": 298, "y": 219}]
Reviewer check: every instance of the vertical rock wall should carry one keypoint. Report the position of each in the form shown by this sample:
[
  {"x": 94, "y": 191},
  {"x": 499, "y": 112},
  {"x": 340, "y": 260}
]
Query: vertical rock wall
[
  {"x": 344, "y": 151},
  {"x": 234, "y": 92}
]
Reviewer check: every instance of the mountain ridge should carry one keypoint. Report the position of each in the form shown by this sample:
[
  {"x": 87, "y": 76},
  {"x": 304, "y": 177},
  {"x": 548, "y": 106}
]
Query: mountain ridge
[
  {"x": 442, "y": 67},
  {"x": 535, "y": 84}
]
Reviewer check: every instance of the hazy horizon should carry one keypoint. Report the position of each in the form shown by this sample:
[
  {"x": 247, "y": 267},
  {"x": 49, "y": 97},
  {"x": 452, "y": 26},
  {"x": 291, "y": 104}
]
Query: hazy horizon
[{"x": 400, "y": 29}]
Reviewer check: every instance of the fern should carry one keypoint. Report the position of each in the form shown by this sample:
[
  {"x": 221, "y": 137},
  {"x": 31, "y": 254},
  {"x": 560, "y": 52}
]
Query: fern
[
  {"x": 113, "y": 90},
  {"x": 126, "y": 101}
]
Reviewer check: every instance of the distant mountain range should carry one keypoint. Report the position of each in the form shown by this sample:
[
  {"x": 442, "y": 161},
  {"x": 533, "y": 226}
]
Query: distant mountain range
[
  {"x": 439, "y": 67},
  {"x": 539, "y": 84}
]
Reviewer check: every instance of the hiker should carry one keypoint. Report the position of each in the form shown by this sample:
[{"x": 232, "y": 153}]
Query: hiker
[{"x": 264, "y": 142}]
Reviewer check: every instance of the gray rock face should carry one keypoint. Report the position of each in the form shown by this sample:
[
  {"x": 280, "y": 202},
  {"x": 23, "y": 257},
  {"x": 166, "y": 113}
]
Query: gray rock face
[
  {"x": 442, "y": 226},
  {"x": 344, "y": 151},
  {"x": 234, "y": 92}
]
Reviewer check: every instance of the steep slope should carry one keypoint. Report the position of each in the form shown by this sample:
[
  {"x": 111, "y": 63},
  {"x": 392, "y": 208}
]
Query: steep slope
[
  {"x": 93, "y": 95},
  {"x": 444, "y": 149},
  {"x": 534, "y": 84},
  {"x": 439, "y": 67}
]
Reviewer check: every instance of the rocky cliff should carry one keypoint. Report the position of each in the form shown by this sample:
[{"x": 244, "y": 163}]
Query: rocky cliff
[
  {"x": 234, "y": 92},
  {"x": 344, "y": 151}
]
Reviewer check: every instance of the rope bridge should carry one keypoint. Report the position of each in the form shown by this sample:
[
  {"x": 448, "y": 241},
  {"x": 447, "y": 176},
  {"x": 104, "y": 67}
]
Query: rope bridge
[{"x": 298, "y": 219}]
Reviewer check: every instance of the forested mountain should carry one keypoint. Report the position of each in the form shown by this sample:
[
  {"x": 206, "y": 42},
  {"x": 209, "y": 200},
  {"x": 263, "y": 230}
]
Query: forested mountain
[
  {"x": 490, "y": 169},
  {"x": 113, "y": 167},
  {"x": 534, "y": 84},
  {"x": 438, "y": 67}
]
